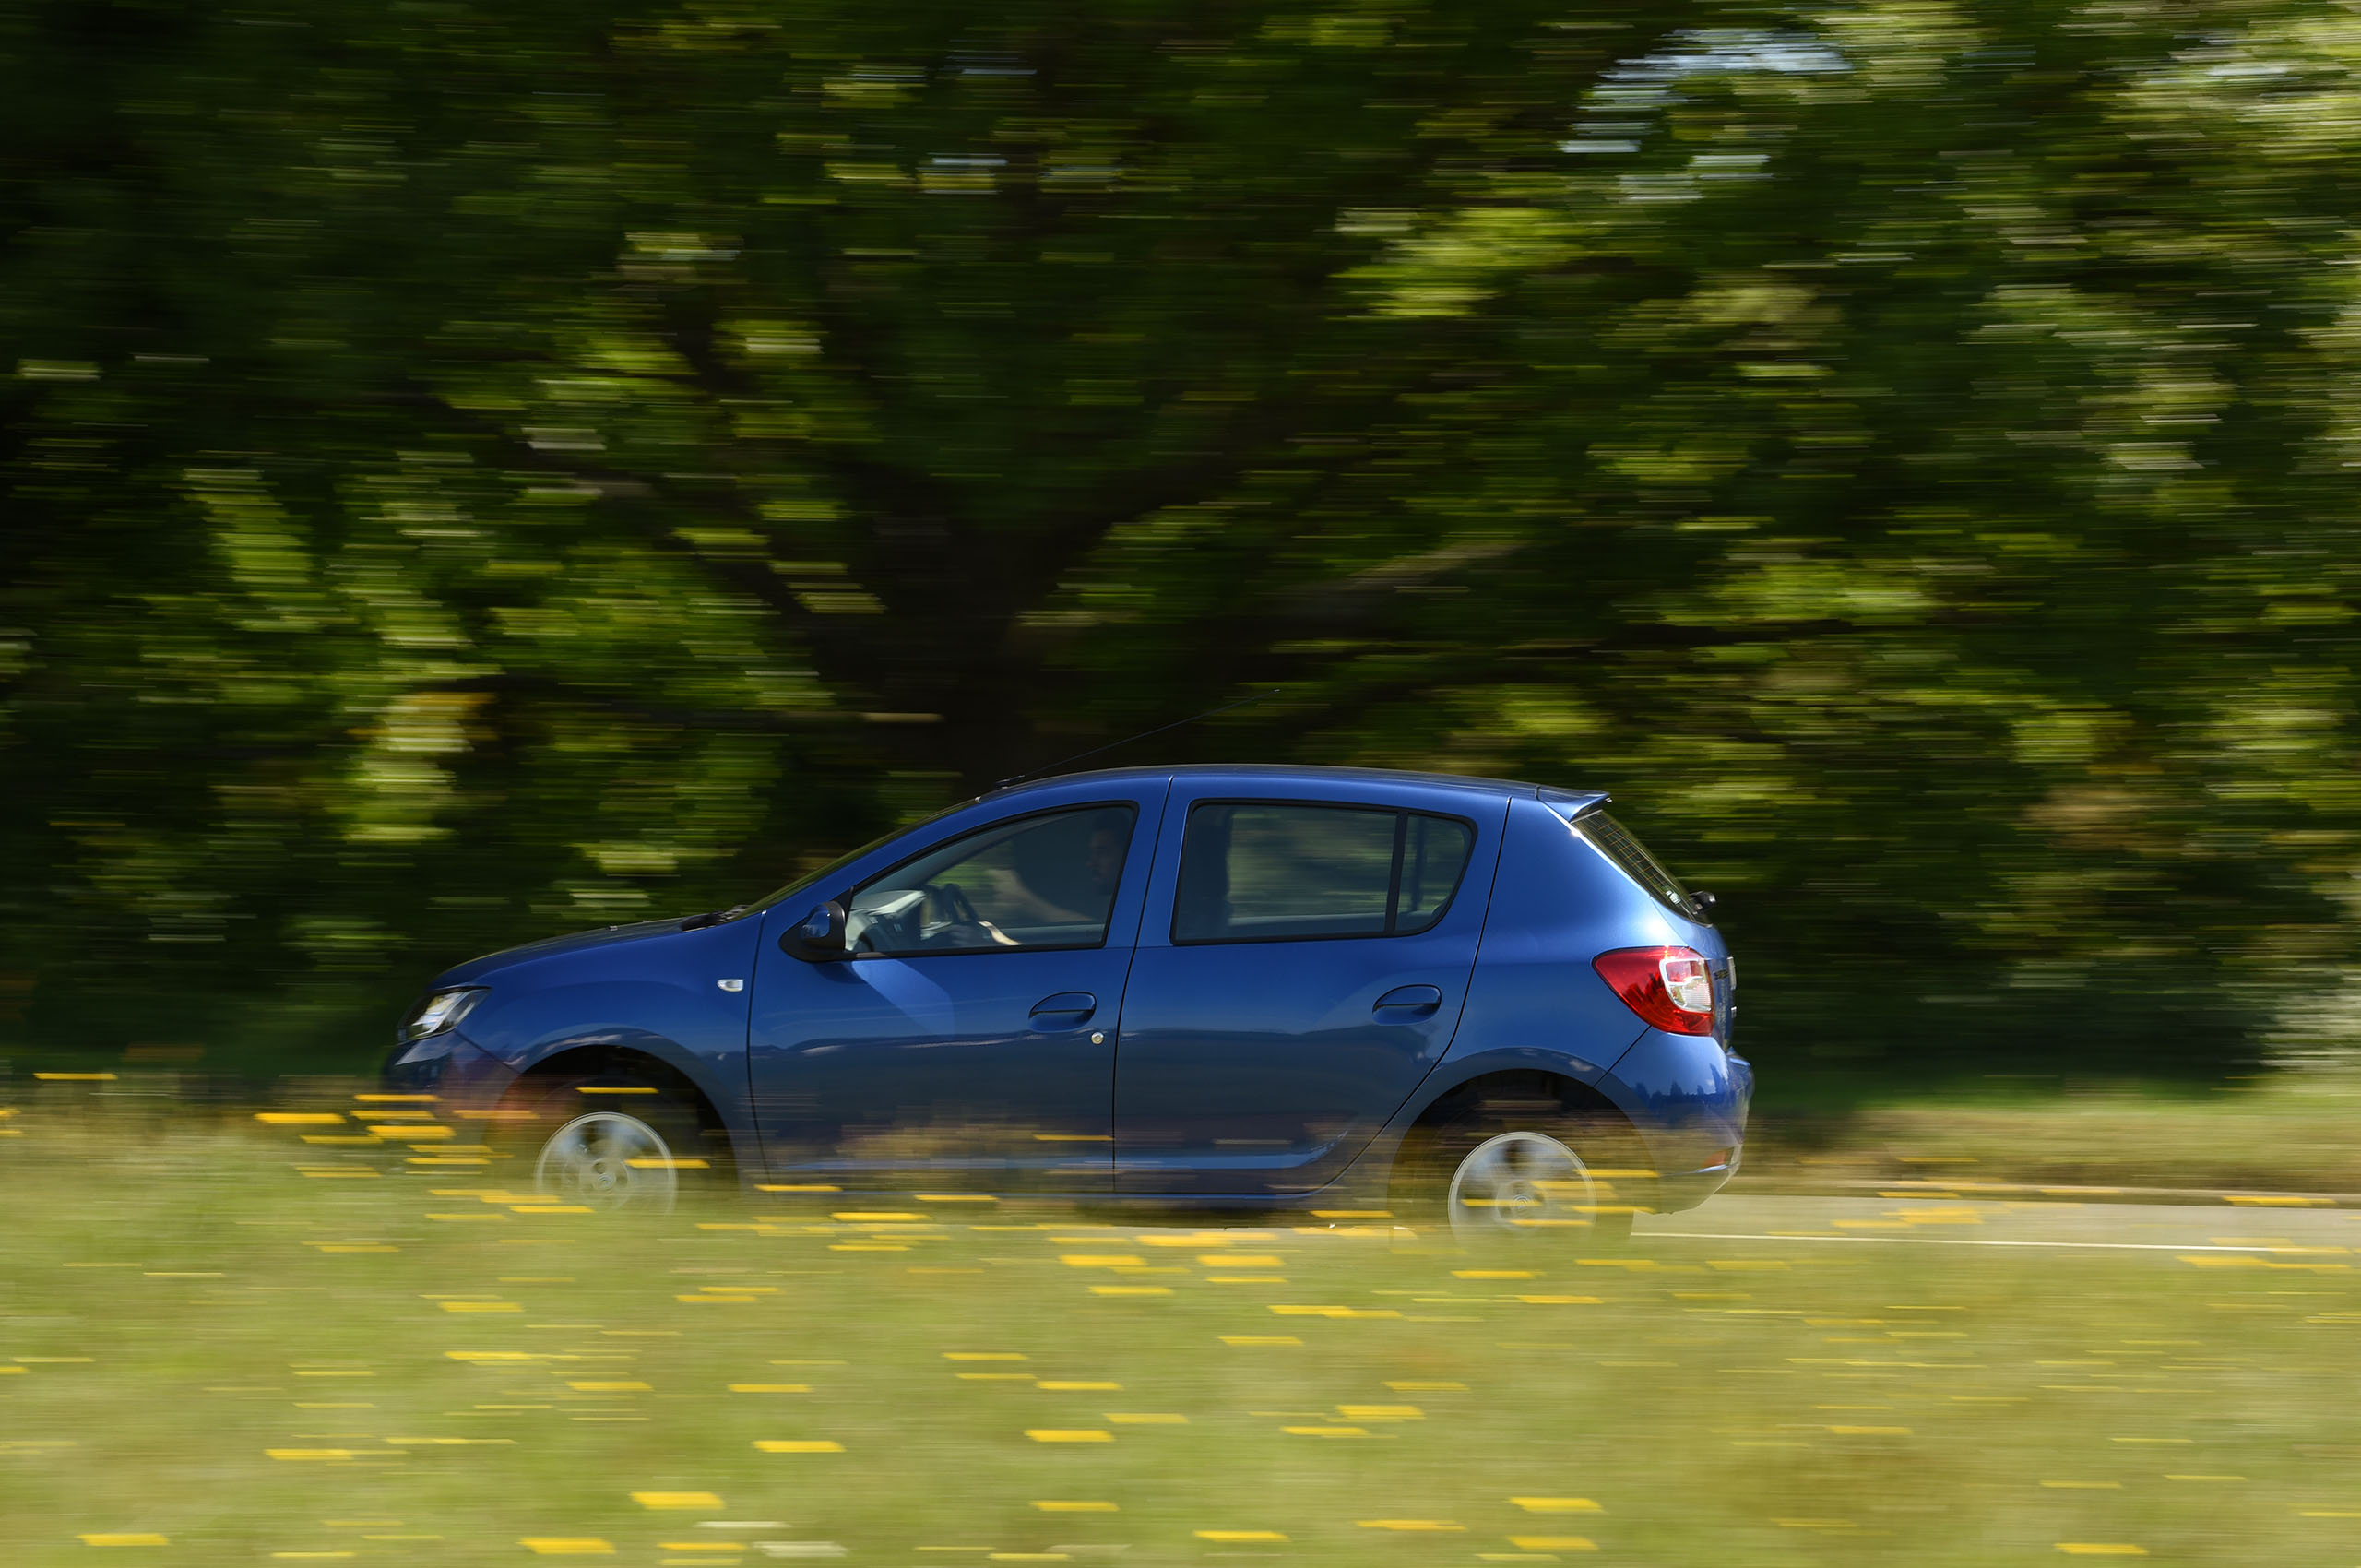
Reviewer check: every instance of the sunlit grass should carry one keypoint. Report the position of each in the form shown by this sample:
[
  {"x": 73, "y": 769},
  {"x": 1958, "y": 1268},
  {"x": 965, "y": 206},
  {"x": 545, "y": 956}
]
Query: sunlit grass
[
  {"x": 209, "y": 1357},
  {"x": 2290, "y": 1132}
]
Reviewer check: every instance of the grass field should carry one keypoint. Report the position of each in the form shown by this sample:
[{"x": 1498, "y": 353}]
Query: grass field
[
  {"x": 208, "y": 1356},
  {"x": 2290, "y": 1132}
]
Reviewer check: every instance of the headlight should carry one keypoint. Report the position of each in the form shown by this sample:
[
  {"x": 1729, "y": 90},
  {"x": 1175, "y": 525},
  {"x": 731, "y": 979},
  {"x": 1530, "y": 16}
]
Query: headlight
[{"x": 440, "y": 1011}]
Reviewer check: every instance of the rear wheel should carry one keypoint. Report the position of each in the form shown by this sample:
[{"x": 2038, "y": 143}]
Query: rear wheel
[
  {"x": 615, "y": 1143},
  {"x": 1523, "y": 1172}
]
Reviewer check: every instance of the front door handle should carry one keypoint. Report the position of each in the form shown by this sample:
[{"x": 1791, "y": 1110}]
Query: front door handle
[
  {"x": 1409, "y": 999},
  {"x": 1064, "y": 1010}
]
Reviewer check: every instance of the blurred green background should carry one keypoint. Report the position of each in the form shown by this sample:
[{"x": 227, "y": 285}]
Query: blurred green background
[{"x": 475, "y": 470}]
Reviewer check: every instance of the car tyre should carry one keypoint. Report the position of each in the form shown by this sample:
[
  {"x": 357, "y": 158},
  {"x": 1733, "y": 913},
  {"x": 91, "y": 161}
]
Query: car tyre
[
  {"x": 1523, "y": 1172},
  {"x": 614, "y": 1142}
]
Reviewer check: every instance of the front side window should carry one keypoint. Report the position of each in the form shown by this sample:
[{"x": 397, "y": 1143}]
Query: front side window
[
  {"x": 1257, "y": 871},
  {"x": 1038, "y": 882}
]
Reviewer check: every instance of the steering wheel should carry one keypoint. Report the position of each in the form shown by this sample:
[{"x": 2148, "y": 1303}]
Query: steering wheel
[
  {"x": 951, "y": 900},
  {"x": 888, "y": 926}
]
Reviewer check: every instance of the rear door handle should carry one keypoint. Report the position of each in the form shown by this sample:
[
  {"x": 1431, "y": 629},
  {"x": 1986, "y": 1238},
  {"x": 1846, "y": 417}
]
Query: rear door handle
[
  {"x": 1409, "y": 998},
  {"x": 1064, "y": 1010}
]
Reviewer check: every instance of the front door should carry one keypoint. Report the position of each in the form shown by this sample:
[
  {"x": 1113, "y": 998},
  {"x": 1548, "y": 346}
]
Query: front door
[
  {"x": 968, "y": 1040},
  {"x": 1313, "y": 970}
]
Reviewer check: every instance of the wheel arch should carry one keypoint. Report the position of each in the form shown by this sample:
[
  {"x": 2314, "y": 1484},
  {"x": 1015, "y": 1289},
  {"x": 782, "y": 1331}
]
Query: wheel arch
[
  {"x": 1516, "y": 1083},
  {"x": 617, "y": 1059},
  {"x": 1576, "y": 1086},
  {"x": 1603, "y": 1139}
]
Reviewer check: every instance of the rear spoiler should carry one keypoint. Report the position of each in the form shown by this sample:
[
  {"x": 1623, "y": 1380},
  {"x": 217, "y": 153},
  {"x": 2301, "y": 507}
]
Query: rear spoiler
[{"x": 1573, "y": 804}]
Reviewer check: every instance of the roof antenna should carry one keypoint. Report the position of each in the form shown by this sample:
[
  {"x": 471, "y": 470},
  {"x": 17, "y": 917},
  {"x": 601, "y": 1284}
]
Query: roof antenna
[{"x": 1052, "y": 767}]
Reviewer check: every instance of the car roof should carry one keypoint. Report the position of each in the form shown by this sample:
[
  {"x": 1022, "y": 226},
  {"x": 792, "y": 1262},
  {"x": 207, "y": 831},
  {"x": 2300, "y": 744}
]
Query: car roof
[{"x": 1247, "y": 773}]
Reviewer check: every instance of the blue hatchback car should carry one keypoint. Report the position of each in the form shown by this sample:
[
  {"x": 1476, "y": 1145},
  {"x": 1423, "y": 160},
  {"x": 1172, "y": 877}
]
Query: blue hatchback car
[{"x": 1458, "y": 1001}]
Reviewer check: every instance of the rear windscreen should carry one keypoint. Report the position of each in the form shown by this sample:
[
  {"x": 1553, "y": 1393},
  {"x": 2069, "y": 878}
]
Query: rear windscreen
[{"x": 1616, "y": 841}]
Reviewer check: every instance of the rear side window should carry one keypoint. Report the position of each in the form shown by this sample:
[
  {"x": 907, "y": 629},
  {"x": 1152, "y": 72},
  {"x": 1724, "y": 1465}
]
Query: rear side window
[
  {"x": 1261, "y": 871},
  {"x": 1619, "y": 846}
]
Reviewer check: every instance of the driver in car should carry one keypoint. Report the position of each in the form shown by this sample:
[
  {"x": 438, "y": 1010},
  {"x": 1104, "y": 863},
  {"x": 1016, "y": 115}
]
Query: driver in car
[
  {"x": 1041, "y": 882},
  {"x": 1051, "y": 884}
]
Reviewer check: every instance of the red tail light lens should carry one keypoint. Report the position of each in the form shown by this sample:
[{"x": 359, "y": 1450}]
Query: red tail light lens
[{"x": 1671, "y": 988}]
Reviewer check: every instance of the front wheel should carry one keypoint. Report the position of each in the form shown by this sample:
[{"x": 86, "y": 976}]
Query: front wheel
[{"x": 615, "y": 1143}]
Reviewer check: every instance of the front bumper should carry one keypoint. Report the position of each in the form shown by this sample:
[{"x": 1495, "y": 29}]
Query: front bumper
[{"x": 466, "y": 1084}]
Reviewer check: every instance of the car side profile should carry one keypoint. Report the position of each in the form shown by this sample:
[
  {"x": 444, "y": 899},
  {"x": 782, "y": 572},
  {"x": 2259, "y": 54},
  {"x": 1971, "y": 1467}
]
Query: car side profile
[{"x": 1460, "y": 1002}]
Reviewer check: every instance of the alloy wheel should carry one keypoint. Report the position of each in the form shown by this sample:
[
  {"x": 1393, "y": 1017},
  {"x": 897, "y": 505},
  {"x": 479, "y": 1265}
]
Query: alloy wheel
[
  {"x": 609, "y": 1160},
  {"x": 1521, "y": 1185}
]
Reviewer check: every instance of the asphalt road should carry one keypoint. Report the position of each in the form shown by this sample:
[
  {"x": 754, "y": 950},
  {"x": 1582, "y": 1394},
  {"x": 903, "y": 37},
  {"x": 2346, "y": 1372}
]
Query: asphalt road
[{"x": 1794, "y": 1222}]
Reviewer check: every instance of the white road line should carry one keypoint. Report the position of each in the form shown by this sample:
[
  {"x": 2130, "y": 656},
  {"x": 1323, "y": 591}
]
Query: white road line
[{"x": 1953, "y": 1241}]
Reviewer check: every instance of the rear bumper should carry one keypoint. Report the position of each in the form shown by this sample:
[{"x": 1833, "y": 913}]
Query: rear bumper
[
  {"x": 1679, "y": 1190},
  {"x": 1689, "y": 1097}
]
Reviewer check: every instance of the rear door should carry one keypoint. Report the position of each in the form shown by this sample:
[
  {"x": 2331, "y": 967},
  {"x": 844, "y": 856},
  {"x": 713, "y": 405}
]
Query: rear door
[{"x": 1301, "y": 966}]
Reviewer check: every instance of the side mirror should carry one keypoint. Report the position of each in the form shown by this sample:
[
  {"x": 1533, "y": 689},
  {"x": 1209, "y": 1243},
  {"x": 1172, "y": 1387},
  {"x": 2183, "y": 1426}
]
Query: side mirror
[
  {"x": 819, "y": 937},
  {"x": 1704, "y": 903}
]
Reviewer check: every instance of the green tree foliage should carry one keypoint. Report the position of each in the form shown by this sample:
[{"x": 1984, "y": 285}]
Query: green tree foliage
[{"x": 476, "y": 470}]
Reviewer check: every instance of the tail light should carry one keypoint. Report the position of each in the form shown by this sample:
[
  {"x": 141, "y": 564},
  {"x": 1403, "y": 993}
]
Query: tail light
[{"x": 1670, "y": 988}]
